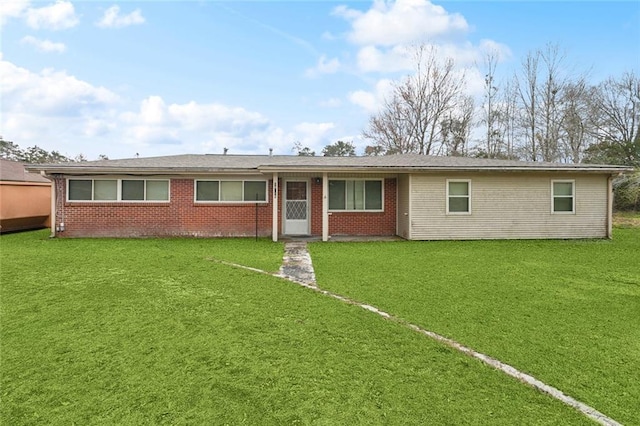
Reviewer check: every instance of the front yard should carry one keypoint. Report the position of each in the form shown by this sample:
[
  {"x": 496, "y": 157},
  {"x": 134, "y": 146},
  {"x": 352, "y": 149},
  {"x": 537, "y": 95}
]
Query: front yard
[
  {"x": 567, "y": 312},
  {"x": 152, "y": 331}
]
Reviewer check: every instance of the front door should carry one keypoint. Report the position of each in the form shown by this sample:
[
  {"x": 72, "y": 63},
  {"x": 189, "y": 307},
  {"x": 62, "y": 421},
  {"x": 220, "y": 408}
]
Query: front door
[{"x": 296, "y": 207}]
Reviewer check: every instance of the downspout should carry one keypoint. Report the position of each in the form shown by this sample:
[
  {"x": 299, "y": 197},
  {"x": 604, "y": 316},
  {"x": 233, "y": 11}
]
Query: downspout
[
  {"x": 52, "y": 218},
  {"x": 325, "y": 206},
  {"x": 274, "y": 199},
  {"x": 610, "y": 207}
]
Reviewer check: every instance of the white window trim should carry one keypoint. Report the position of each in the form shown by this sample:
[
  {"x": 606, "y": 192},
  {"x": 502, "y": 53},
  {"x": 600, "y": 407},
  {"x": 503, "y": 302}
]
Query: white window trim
[
  {"x": 119, "y": 191},
  {"x": 573, "y": 195},
  {"x": 468, "y": 181},
  {"x": 381, "y": 180},
  {"x": 195, "y": 191}
]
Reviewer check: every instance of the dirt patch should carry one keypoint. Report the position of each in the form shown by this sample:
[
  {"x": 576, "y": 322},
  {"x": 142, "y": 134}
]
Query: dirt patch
[{"x": 626, "y": 220}]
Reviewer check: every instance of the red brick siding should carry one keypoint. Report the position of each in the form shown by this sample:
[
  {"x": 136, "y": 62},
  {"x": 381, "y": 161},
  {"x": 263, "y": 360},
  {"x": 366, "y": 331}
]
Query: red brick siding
[
  {"x": 365, "y": 223},
  {"x": 183, "y": 217},
  {"x": 179, "y": 217}
]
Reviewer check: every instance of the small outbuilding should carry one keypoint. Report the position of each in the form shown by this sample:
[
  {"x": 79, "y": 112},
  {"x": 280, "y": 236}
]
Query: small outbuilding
[
  {"x": 415, "y": 197},
  {"x": 25, "y": 198}
]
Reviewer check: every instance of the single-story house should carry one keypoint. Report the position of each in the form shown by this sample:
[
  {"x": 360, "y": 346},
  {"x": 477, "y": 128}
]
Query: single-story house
[
  {"x": 413, "y": 196},
  {"x": 25, "y": 198}
]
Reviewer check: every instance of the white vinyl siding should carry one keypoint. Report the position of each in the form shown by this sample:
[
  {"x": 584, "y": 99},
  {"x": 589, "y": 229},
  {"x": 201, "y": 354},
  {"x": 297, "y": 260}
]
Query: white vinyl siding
[
  {"x": 118, "y": 190},
  {"x": 508, "y": 205},
  {"x": 230, "y": 191}
]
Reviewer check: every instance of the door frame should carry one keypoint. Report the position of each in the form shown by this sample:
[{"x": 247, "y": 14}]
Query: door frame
[{"x": 284, "y": 205}]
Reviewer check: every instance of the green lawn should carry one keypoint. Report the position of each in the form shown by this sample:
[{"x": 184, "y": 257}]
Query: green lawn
[
  {"x": 150, "y": 331},
  {"x": 567, "y": 312}
]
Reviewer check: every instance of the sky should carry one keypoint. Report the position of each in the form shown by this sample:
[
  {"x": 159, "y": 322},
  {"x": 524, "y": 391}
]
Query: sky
[{"x": 162, "y": 78}]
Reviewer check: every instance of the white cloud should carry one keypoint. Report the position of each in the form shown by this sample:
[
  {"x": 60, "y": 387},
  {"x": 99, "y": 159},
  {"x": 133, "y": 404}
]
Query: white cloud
[
  {"x": 58, "y": 16},
  {"x": 493, "y": 47},
  {"x": 313, "y": 135},
  {"x": 12, "y": 9},
  {"x": 44, "y": 45},
  {"x": 113, "y": 19},
  {"x": 372, "y": 101},
  {"x": 331, "y": 103},
  {"x": 54, "y": 110},
  {"x": 51, "y": 93},
  {"x": 374, "y": 59},
  {"x": 402, "y": 21},
  {"x": 323, "y": 66},
  {"x": 215, "y": 125}
]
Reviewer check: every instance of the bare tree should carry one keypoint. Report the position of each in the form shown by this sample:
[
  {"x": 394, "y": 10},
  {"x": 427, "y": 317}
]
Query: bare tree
[
  {"x": 616, "y": 104},
  {"x": 527, "y": 89},
  {"x": 390, "y": 129},
  {"x": 542, "y": 87},
  {"x": 577, "y": 121},
  {"x": 506, "y": 126},
  {"x": 456, "y": 128},
  {"x": 410, "y": 120},
  {"x": 491, "y": 107},
  {"x": 551, "y": 94}
]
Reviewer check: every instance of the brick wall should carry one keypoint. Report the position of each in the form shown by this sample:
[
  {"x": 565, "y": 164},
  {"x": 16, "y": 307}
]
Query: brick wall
[
  {"x": 365, "y": 223},
  {"x": 183, "y": 217},
  {"x": 179, "y": 217}
]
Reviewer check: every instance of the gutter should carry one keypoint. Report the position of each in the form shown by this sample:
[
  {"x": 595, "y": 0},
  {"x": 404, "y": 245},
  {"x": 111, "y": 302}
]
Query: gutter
[{"x": 313, "y": 169}]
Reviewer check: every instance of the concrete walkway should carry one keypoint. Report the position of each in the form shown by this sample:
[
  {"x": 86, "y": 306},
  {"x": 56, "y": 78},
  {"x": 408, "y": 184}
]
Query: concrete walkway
[
  {"x": 297, "y": 265},
  {"x": 298, "y": 268}
]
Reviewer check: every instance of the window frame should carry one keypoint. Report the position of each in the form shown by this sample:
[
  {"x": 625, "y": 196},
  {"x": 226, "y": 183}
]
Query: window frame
[
  {"x": 219, "y": 201},
  {"x": 118, "y": 190},
  {"x": 468, "y": 197},
  {"x": 572, "y": 196},
  {"x": 364, "y": 199}
]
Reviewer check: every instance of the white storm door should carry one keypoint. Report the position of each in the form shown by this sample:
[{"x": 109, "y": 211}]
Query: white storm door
[{"x": 296, "y": 207}]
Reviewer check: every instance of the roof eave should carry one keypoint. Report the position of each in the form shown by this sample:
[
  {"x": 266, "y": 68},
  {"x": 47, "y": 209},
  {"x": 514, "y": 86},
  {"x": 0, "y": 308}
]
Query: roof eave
[
  {"x": 49, "y": 170},
  {"x": 405, "y": 169},
  {"x": 138, "y": 170}
]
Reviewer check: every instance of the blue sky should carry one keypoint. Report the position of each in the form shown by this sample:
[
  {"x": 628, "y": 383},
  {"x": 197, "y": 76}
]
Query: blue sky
[{"x": 160, "y": 78}]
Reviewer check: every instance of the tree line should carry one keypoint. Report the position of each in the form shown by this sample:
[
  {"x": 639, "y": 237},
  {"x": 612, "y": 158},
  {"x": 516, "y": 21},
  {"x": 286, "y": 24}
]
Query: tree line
[
  {"x": 542, "y": 112},
  {"x": 36, "y": 155}
]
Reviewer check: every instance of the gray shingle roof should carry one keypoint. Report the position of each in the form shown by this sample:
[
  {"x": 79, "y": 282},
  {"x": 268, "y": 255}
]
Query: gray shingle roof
[
  {"x": 239, "y": 163},
  {"x": 14, "y": 171}
]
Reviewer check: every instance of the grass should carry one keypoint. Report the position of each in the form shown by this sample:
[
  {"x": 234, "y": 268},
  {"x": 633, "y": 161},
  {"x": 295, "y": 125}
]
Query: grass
[
  {"x": 151, "y": 331},
  {"x": 567, "y": 312}
]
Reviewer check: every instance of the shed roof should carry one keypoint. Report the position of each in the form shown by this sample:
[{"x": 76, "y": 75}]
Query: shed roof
[
  {"x": 214, "y": 163},
  {"x": 14, "y": 171}
]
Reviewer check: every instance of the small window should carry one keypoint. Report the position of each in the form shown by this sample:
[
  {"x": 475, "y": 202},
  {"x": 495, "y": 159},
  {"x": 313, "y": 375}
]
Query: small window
[
  {"x": 132, "y": 190},
  {"x": 563, "y": 198},
  {"x": 80, "y": 190},
  {"x": 355, "y": 195},
  {"x": 255, "y": 191},
  {"x": 105, "y": 190},
  {"x": 157, "y": 190},
  {"x": 207, "y": 190},
  {"x": 458, "y": 196},
  {"x": 231, "y": 191}
]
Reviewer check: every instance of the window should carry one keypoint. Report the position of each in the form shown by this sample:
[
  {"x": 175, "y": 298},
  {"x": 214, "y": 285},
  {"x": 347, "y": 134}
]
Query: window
[
  {"x": 563, "y": 199},
  {"x": 355, "y": 195},
  {"x": 231, "y": 191},
  {"x": 118, "y": 190},
  {"x": 458, "y": 196}
]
